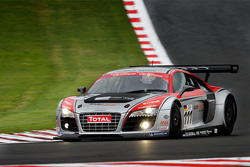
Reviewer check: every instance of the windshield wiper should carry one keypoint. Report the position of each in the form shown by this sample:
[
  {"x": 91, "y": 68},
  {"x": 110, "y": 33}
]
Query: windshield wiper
[{"x": 147, "y": 90}]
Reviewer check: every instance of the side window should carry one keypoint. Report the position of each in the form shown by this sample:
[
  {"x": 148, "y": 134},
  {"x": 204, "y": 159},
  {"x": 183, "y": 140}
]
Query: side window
[
  {"x": 179, "y": 81},
  {"x": 202, "y": 85},
  {"x": 191, "y": 81}
]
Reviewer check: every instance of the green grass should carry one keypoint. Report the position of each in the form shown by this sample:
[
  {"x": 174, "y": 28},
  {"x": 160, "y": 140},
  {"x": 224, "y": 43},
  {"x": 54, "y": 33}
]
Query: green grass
[{"x": 49, "y": 48}]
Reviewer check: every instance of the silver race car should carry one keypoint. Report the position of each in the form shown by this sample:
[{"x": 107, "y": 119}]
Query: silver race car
[{"x": 148, "y": 102}]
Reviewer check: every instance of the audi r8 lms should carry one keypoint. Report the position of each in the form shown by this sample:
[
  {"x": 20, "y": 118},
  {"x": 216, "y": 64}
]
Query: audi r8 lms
[{"x": 149, "y": 102}]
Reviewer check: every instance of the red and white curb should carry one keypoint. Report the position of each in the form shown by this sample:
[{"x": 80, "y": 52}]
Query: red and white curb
[
  {"x": 28, "y": 137},
  {"x": 216, "y": 162},
  {"x": 147, "y": 37}
]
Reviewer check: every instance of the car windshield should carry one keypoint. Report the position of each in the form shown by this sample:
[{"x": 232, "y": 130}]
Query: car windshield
[{"x": 129, "y": 84}]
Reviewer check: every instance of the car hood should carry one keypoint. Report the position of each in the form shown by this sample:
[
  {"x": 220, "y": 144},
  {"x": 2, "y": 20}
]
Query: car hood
[{"x": 111, "y": 102}]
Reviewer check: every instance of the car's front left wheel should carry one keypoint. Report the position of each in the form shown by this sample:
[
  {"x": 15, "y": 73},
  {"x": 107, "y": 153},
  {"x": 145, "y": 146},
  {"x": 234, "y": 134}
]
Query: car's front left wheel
[{"x": 175, "y": 122}]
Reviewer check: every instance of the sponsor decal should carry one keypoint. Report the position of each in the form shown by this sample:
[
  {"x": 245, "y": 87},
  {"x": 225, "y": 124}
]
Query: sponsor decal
[
  {"x": 158, "y": 134},
  {"x": 103, "y": 98},
  {"x": 68, "y": 103},
  {"x": 201, "y": 107},
  {"x": 189, "y": 134},
  {"x": 199, "y": 133},
  {"x": 162, "y": 127},
  {"x": 151, "y": 102},
  {"x": 99, "y": 119},
  {"x": 148, "y": 103},
  {"x": 194, "y": 68},
  {"x": 196, "y": 107},
  {"x": 154, "y": 102},
  {"x": 189, "y": 107},
  {"x": 164, "y": 122},
  {"x": 123, "y": 98},
  {"x": 204, "y": 132},
  {"x": 100, "y": 109},
  {"x": 149, "y": 74},
  {"x": 95, "y": 104}
]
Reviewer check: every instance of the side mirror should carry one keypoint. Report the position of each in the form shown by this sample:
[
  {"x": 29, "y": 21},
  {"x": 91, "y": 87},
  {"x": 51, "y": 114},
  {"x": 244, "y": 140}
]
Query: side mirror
[
  {"x": 186, "y": 88},
  {"x": 82, "y": 90}
]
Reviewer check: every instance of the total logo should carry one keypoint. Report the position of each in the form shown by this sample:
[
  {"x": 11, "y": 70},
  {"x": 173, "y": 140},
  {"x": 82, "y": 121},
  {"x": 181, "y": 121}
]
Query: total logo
[{"x": 99, "y": 119}]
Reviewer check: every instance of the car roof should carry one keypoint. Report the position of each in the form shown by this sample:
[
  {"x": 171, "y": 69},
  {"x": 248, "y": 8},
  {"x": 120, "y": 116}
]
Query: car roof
[{"x": 153, "y": 69}]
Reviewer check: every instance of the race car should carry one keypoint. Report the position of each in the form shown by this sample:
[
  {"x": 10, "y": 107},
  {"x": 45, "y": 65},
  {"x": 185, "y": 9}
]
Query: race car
[{"x": 149, "y": 102}]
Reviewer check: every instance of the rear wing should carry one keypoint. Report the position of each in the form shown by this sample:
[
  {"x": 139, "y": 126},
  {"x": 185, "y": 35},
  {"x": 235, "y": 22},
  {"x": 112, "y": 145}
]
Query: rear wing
[{"x": 207, "y": 69}]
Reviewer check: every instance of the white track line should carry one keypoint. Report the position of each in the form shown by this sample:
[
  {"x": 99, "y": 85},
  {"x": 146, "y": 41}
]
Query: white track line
[{"x": 214, "y": 162}]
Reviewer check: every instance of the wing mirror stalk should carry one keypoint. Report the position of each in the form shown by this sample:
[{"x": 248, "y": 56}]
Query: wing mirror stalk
[
  {"x": 82, "y": 90},
  {"x": 186, "y": 88}
]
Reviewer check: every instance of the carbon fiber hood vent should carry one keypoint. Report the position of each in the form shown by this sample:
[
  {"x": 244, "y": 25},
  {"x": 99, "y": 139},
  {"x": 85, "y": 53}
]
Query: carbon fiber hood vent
[{"x": 114, "y": 98}]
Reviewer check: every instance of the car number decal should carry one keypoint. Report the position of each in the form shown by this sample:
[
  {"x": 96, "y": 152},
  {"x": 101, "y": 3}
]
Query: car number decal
[{"x": 188, "y": 115}]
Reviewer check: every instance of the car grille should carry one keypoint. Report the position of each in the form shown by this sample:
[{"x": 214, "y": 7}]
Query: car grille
[{"x": 100, "y": 127}]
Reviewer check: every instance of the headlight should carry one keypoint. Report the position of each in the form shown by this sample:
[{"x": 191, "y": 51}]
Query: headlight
[
  {"x": 148, "y": 112},
  {"x": 67, "y": 113}
]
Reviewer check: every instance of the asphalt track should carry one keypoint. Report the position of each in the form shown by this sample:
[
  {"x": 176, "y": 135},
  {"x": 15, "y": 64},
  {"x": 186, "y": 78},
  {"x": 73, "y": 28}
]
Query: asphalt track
[{"x": 193, "y": 32}]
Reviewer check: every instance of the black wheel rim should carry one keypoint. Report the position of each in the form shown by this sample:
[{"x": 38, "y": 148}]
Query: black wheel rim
[{"x": 176, "y": 121}]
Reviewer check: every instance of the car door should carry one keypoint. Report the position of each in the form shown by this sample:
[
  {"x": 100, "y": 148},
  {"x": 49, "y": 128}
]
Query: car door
[
  {"x": 209, "y": 102},
  {"x": 192, "y": 101}
]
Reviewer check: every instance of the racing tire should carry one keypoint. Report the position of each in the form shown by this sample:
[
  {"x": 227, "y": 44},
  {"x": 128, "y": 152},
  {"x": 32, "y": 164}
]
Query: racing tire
[
  {"x": 230, "y": 114},
  {"x": 175, "y": 122}
]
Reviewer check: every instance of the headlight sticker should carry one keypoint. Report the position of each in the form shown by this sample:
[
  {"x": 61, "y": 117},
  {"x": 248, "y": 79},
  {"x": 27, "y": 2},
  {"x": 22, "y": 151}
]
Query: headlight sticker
[
  {"x": 148, "y": 112},
  {"x": 68, "y": 103}
]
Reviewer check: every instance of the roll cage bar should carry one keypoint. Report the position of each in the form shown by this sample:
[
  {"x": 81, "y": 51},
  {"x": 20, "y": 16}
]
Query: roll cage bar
[{"x": 207, "y": 69}]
